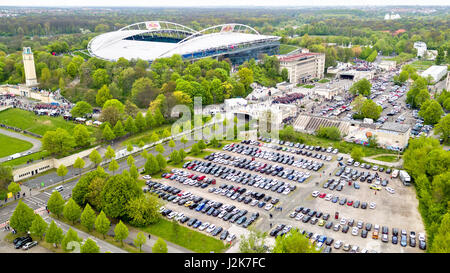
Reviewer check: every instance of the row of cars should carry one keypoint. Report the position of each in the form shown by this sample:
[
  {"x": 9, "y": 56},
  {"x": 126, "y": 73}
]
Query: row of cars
[
  {"x": 294, "y": 145},
  {"x": 343, "y": 200},
  {"x": 24, "y": 242},
  {"x": 242, "y": 177},
  {"x": 209, "y": 207},
  {"x": 305, "y": 214},
  {"x": 253, "y": 165},
  {"x": 251, "y": 198},
  {"x": 195, "y": 223},
  {"x": 320, "y": 242},
  {"x": 299, "y": 149}
]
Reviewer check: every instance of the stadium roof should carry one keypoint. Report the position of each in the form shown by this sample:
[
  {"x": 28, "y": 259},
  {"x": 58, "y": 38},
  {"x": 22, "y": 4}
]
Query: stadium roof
[{"x": 121, "y": 43}]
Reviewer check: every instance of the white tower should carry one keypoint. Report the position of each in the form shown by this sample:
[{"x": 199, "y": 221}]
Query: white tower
[{"x": 28, "y": 65}]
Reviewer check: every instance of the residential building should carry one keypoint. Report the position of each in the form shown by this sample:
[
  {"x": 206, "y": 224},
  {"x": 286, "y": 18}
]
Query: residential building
[{"x": 303, "y": 67}]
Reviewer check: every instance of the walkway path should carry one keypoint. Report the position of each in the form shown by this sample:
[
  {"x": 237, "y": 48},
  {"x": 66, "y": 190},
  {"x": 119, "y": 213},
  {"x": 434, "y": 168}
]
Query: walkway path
[{"x": 36, "y": 142}]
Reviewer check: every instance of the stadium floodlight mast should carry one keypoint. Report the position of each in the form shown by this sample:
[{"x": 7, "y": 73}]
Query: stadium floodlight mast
[{"x": 228, "y": 124}]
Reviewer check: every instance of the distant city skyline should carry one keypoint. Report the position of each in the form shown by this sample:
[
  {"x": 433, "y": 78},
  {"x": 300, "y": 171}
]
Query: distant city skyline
[{"x": 218, "y": 3}]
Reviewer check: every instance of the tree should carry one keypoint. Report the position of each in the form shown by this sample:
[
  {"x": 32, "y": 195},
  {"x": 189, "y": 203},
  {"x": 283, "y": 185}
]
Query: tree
[
  {"x": 245, "y": 76},
  {"x": 361, "y": 87},
  {"x": 110, "y": 153},
  {"x": 54, "y": 234},
  {"x": 151, "y": 166},
  {"x": 95, "y": 157},
  {"x": 183, "y": 154},
  {"x": 79, "y": 164},
  {"x": 22, "y": 217},
  {"x": 441, "y": 242},
  {"x": 72, "y": 211},
  {"x": 108, "y": 134},
  {"x": 113, "y": 166},
  {"x": 71, "y": 236},
  {"x": 81, "y": 135},
  {"x": 443, "y": 128},
  {"x": 143, "y": 210},
  {"x": 81, "y": 109},
  {"x": 100, "y": 77},
  {"x": 172, "y": 144},
  {"x": 371, "y": 110},
  {"x": 431, "y": 112},
  {"x": 161, "y": 161},
  {"x": 357, "y": 153},
  {"x": 38, "y": 226},
  {"x": 166, "y": 133},
  {"x": 421, "y": 97},
  {"x": 115, "y": 104},
  {"x": 55, "y": 203},
  {"x": 201, "y": 145},
  {"x": 14, "y": 188},
  {"x": 253, "y": 243},
  {"x": 154, "y": 138},
  {"x": 118, "y": 129},
  {"x": 61, "y": 171},
  {"x": 293, "y": 242},
  {"x": 140, "y": 240},
  {"x": 129, "y": 147},
  {"x": 195, "y": 150},
  {"x": 175, "y": 157},
  {"x": 102, "y": 224},
  {"x": 184, "y": 141},
  {"x": 440, "y": 58},
  {"x": 117, "y": 192},
  {"x": 120, "y": 232},
  {"x": 332, "y": 133},
  {"x": 58, "y": 142},
  {"x": 90, "y": 246},
  {"x": 130, "y": 125},
  {"x": 160, "y": 148},
  {"x": 103, "y": 95},
  {"x": 149, "y": 120},
  {"x": 130, "y": 160},
  {"x": 160, "y": 246},
  {"x": 158, "y": 117},
  {"x": 88, "y": 217},
  {"x": 140, "y": 122},
  {"x": 110, "y": 115},
  {"x": 134, "y": 173}
]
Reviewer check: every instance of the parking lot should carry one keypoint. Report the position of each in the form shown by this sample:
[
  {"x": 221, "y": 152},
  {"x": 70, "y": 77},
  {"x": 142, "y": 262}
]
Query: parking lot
[{"x": 255, "y": 167}]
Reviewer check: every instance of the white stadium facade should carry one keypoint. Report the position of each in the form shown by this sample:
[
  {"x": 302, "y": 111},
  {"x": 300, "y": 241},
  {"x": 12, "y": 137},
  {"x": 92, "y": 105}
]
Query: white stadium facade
[{"x": 158, "y": 39}]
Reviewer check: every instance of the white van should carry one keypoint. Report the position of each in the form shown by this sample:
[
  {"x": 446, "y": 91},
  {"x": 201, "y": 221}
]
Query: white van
[
  {"x": 59, "y": 188},
  {"x": 394, "y": 173}
]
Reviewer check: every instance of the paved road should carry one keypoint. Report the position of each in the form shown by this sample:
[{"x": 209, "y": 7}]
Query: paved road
[{"x": 36, "y": 142}]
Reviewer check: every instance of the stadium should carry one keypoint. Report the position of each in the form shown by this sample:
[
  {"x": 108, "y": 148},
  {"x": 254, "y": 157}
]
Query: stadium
[{"x": 159, "y": 39}]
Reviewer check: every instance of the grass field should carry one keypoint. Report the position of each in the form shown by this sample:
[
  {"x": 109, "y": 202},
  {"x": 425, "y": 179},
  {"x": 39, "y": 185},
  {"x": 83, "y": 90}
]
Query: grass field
[
  {"x": 26, "y": 120},
  {"x": 284, "y": 49},
  {"x": 185, "y": 237},
  {"x": 386, "y": 158},
  {"x": 145, "y": 136},
  {"x": 422, "y": 65},
  {"x": 12, "y": 145}
]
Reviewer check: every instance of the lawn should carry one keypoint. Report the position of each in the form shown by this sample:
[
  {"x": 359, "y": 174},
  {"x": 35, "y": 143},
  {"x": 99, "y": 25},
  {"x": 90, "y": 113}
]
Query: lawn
[
  {"x": 11, "y": 145},
  {"x": 22, "y": 160},
  {"x": 185, "y": 237},
  {"x": 422, "y": 65},
  {"x": 27, "y": 120},
  {"x": 145, "y": 136},
  {"x": 387, "y": 158},
  {"x": 284, "y": 49}
]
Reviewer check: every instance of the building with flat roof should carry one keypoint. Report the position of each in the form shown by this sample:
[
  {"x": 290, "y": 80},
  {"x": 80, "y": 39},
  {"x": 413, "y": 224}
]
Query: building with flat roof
[
  {"x": 437, "y": 72},
  {"x": 303, "y": 67},
  {"x": 421, "y": 48}
]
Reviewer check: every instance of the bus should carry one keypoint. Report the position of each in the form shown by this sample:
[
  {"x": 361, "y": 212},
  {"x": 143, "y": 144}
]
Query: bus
[{"x": 405, "y": 178}]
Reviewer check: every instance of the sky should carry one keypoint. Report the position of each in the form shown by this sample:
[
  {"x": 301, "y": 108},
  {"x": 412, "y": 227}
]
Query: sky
[{"x": 193, "y": 3}]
